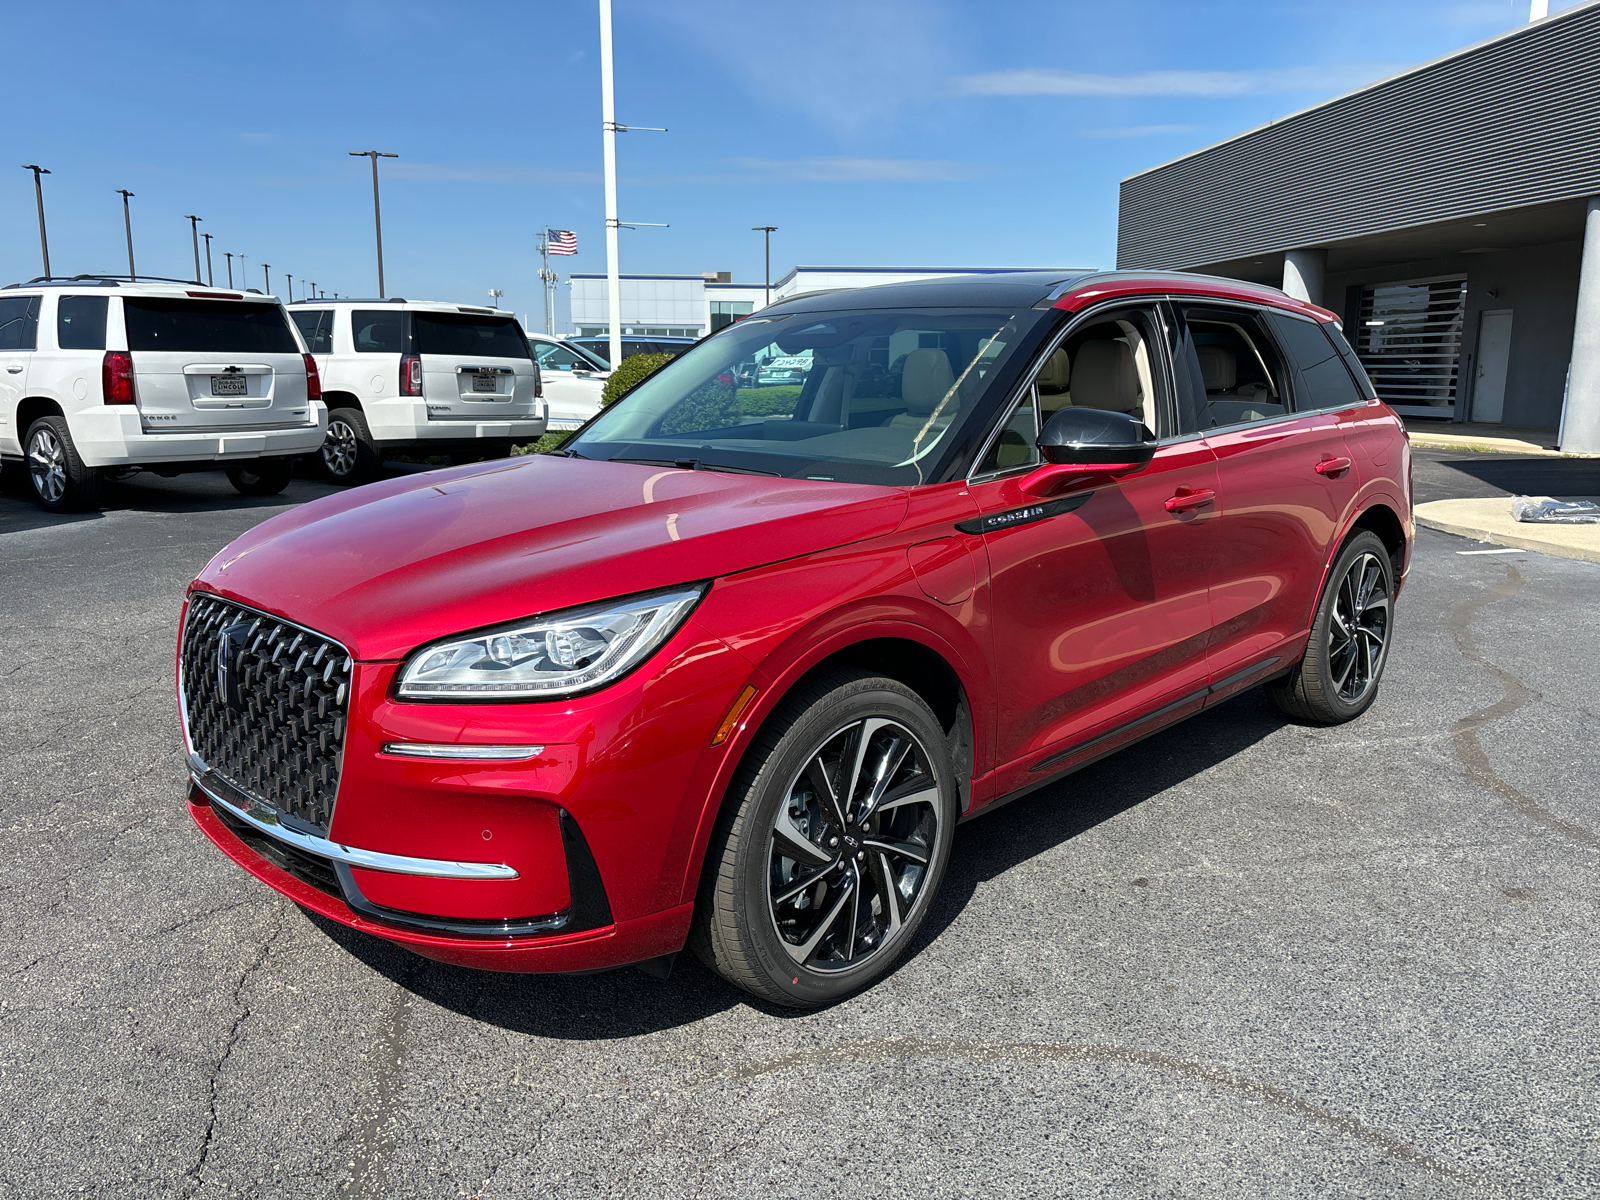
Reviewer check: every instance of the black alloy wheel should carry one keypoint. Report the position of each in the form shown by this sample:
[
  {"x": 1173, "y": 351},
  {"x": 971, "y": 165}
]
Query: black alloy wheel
[
  {"x": 1338, "y": 678},
  {"x": 348, "y": 454},
  {"x": 263, "y": 477},
  {"x": 834, "y": 840},
  {"x": 61, "y": 482}
]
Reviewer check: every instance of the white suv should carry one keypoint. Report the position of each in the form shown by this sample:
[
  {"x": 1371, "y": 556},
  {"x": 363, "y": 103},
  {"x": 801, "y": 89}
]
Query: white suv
[
  {"x": 101, "y": 375},
  {"x": 573, "y": 379},
  {"x": 414, "y": 377}
]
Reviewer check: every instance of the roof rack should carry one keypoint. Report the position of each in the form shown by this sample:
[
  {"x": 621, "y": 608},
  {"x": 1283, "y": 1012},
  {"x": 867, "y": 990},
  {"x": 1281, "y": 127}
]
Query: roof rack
[
  {"x": 114, "y": 281},
  {"x": 354, "y": 300}
]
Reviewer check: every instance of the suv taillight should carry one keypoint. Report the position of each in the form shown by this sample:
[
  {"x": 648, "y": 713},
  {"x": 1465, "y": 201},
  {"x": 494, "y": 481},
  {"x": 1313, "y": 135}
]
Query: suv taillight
[
  {"x": 116, "y": 377},
  {"x": 313, "y": 379},
  {"x": 410, "y": 375}
]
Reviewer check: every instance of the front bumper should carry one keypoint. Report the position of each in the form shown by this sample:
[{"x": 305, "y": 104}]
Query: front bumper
[
  {"x": 113, "y": 437},
  {"x": 593, "y": 837}
]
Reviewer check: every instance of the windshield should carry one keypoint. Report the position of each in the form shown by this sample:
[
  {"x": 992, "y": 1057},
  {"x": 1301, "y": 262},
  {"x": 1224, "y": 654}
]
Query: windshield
[
  {"x": 209, "y": 327},
  {"x": 467, "y": 336},
  {"x": 866, "y": 397}
]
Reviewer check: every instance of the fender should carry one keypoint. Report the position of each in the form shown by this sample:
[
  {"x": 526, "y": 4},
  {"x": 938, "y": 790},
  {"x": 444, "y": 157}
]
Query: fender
[
  {"x": 1368, "y": 498},
  {"x": 775, "y": 675}
]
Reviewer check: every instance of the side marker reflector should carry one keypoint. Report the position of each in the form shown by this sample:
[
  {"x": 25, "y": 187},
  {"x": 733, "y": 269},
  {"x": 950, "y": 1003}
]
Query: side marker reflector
[{"x": 734, "y": 713}]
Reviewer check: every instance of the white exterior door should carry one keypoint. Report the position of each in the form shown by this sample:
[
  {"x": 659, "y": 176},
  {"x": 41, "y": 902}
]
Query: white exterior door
[{"x": 1494, "y": 353}]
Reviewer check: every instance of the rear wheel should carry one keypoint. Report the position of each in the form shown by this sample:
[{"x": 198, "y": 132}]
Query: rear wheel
[
  {"x": 1338, "y": 678},
  {"x": 264, "y": 477},
  {"x": 349, "y": 455},
  {"x": 61, "y": 482},
  {"x": 834, "y": 841}
]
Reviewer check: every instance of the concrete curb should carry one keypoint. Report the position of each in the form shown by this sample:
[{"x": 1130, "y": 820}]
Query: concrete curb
[{"x": 1491, "y": 521}]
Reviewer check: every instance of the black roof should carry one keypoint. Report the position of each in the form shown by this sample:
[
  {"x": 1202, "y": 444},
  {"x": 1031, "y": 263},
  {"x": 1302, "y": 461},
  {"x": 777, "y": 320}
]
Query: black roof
[{"x": 1017, "y": 289}]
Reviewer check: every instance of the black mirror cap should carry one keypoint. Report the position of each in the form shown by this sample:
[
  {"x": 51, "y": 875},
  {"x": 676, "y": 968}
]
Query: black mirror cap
[{"x": 1092, "y": 436}]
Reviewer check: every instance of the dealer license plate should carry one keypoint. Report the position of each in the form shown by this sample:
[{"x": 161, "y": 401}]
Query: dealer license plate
[
  {"x": 485, "y": 383},
  {"x": 228, "y": 385}
]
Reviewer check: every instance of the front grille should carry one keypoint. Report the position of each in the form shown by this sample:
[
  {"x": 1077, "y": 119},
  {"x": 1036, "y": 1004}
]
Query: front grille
[{"x": 269, "y": 715}]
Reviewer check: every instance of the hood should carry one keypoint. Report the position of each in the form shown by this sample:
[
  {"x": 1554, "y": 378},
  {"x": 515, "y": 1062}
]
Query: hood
[{"x": 387, "y": 567}]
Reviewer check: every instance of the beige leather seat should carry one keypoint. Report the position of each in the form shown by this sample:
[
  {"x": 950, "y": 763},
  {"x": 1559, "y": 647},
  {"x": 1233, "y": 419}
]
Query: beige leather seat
[
  {"x": 1218, "y": 368},
  {"x": 1106, "y": 376},
  {"x": 924, "y": 380},
  {"x": 1054, "y": 380}
]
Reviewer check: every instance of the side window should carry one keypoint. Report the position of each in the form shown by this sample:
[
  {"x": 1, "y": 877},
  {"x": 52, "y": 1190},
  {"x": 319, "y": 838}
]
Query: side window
[
  {"x": 1325, "y": 383},
  {"x": 81, "y": 322},
  {"x": 556, "y": 358},
  {"x": 19, "y": 323},
  {"x": 316, "y": 327},
  {"x": 1229, "y": 370},
  {"x": 1016, "y": 446},
  {"x": 377, "y": 332},
  {"x": 1347, "y": 352}
]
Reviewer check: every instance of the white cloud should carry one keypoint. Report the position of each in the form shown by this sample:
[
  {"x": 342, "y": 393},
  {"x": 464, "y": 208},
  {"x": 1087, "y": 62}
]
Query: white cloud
[
  {"x": 1137, "y": 131},
  {"x": 861, "y": 170},
  {"x": 484, "y": 173},
  {"x": 1041, "y": 81}
]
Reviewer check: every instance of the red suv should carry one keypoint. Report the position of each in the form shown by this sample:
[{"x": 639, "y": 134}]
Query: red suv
[{"x": 727, "y": 670}]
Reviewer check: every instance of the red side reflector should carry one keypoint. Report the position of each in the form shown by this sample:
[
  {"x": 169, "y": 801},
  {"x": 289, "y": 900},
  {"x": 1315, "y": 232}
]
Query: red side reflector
[
  {"x": 116, "y": 377},
  {"x": 214, "y": 295},
  {"x": 313, "y": 379}
]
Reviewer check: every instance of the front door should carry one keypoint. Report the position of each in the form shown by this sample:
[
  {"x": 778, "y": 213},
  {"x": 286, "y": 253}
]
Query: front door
[
  {"x": 1494, "y": 353},
  {"x": 1098, "y": 593}
]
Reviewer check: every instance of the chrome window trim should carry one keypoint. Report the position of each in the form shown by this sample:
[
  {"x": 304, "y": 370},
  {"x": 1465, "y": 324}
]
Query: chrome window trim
[{"x": 265, "y": 819}]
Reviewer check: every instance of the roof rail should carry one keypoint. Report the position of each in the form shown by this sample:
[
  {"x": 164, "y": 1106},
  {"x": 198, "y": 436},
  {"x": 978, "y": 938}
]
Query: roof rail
[{"x": 354, "y": 300}]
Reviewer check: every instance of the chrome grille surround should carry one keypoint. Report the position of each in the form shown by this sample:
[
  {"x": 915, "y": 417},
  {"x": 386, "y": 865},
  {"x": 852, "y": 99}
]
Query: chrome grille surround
[{"x": 278, "y": 736}]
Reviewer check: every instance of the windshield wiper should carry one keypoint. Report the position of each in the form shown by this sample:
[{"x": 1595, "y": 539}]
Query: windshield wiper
[
  {"x": 694, "y": 464},
  {"x": 566, "y": 454}
]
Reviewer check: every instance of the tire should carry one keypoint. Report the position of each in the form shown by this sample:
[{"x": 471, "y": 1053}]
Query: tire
[
  {"x": 845, "y": 926},
  {"x": 264, "y": 477},
  {"x": 348, "y": 455},
  {"x": 60, "y": 481},
  {"x": 1337, "y": 679}
]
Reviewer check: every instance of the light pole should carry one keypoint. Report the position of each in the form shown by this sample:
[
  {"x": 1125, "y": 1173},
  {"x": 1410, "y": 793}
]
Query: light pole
[
  {"x": 211, "y": 278},
  {"x": 377, "y": 214},
  {"x": 547, "y": 277},
  {"x": 768, "y": 231},
  {"x": 494, "y": 297},
  {"x": 194, "y": 232},
  {"x": 38, "y": 194},
  {"x": 266, "y": 277},
  {"x": 228, "y": 254},
  {"x": 288, "y": 285},
  {"x": 127, "y": 227}
]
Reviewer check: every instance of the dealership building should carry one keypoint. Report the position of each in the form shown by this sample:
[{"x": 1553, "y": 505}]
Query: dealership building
[
  {"x": 1449, "y": 214},
  {"x": 695, "y": 305}
]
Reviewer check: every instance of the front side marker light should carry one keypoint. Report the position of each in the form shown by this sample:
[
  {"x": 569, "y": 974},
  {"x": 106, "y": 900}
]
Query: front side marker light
[{"x": 734, "y": 714}]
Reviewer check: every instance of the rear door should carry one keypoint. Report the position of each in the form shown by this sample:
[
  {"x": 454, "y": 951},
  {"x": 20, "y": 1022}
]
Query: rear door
[
  {"x": 475, "y": 366},
  {"x": 19, "y": 333},
  {"x": 570, "y": 389},
  {"x": 1286, "y": 478},
  {"x": 316, "y": 331},
  {"x": 205, "y": 365}
]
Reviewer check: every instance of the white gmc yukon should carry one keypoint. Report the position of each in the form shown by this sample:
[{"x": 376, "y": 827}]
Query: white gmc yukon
[
  {"x": 101, "y": 376},
  {"x": 416, "y": 377}
]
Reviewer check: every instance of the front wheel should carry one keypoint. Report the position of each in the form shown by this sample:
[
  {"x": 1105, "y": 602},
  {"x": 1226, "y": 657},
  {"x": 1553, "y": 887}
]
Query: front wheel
[
  {"x": 834, "y": 840},
  {"x": 264, "y": 477},
  {"x": 1337, "y": 680}
]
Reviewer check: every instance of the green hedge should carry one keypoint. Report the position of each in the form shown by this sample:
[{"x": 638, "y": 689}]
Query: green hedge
[{"x": 632, "y": 371}]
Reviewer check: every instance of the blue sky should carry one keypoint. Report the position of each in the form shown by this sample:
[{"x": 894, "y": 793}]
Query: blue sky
[{"x": 871, "y": 132}]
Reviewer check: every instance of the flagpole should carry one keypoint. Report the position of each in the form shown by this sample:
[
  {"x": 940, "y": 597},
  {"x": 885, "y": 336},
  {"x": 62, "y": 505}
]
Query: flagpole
[{"x": 546, "y": 280}]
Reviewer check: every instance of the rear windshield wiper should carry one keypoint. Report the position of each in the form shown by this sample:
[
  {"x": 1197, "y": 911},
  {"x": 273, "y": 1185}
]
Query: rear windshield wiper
[{"x": 694, "y": 464}]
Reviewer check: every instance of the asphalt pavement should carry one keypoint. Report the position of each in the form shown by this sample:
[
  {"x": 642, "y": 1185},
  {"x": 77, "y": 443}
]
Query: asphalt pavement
[{"x": 1246, "y": 958}]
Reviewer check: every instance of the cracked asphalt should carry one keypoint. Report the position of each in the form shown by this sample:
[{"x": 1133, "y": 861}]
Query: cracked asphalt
[{"x": 1246, "y": 958}]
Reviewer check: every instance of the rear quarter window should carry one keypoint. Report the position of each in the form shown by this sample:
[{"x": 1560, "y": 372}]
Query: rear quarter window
[
  {"x": 81, "y": 322},
  {"x": 207, "y": 326},
  {"x": 377, "y": 331},
  {"x": 468, "y": 336},
  {"x": 1325, "y": 382},
  {"x": 316, "y": 329}
]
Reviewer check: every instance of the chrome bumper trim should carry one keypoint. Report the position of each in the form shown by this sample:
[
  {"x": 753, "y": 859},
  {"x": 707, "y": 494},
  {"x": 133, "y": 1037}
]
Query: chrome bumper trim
[
  {"x": 456, "y": 750},
  {"x": 266, "y": 820}
]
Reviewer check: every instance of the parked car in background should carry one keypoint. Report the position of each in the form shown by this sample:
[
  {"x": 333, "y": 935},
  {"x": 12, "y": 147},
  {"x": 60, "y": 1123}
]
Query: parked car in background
[
  {"x": 573, "y": 378},
  {"x": 723, "y": 674},
  {"x": 101, "y": 375},
  {"x": 419, "y": 378},
  {"x": 600, "y": 347}
]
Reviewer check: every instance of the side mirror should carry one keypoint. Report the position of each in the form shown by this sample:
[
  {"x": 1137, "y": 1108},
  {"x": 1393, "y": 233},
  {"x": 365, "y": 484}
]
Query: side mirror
[{"x": 1079, "y": 442}]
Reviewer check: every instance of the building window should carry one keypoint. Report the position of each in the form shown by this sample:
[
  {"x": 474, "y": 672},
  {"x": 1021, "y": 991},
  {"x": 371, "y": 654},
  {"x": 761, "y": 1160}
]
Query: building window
[
  {"x": 1409, "y": 340},
  {"x": 726, "y": 312}
]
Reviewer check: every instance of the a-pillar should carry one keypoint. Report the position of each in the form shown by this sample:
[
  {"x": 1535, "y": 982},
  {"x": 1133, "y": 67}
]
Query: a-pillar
[
  {"x": 1303, "y": 273},
  {"x": 1582, "y": 434}
]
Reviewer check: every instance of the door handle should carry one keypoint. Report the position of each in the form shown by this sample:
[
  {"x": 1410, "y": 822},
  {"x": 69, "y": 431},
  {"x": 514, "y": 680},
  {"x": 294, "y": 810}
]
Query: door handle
[
  {"x": 1187, "y": 499},
  {"x": 1332, "y": 466},
  {"x": 15, "y": 370}
]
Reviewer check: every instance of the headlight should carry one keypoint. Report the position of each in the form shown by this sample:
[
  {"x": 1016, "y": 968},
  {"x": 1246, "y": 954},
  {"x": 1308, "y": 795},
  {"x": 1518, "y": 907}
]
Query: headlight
[{"x": 558, "y": 654}]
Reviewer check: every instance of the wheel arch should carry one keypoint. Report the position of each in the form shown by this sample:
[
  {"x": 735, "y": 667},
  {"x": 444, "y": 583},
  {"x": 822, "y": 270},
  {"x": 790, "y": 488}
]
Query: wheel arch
[
  {"x": 342, "y": 400},
  {"x": 1382, "y": 520},
  {"x": 29, "y": 410}
]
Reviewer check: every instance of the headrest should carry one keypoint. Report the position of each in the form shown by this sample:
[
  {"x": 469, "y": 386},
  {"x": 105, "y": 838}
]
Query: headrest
[
  {"x": 925, "y": 379},
  {"x": 1105, "y": 376},
  {"x": 1056, "y": 374},
  {"x": 1218, "y": 368}
]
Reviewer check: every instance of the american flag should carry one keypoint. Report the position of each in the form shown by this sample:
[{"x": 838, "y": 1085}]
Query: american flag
[{"x": 563, "y": 241}]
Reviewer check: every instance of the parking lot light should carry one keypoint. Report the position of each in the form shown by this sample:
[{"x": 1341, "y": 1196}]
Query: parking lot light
[
  {"x": 38, "y": 195},
  {"x": 767, "y": 231},
  {"x": 228, "y": 254},
  {"x": 377, "y": 212},
  {"x": 266, "y": 278},
  {"x": 194, "y": 232},
  {"x": 127, "y": 227},
  {"x": 211, "y": 277}
]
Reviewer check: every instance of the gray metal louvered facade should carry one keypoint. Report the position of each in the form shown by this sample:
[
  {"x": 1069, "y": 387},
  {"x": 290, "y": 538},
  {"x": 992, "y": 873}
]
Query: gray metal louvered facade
[{"x": 1510, "y": 123}]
